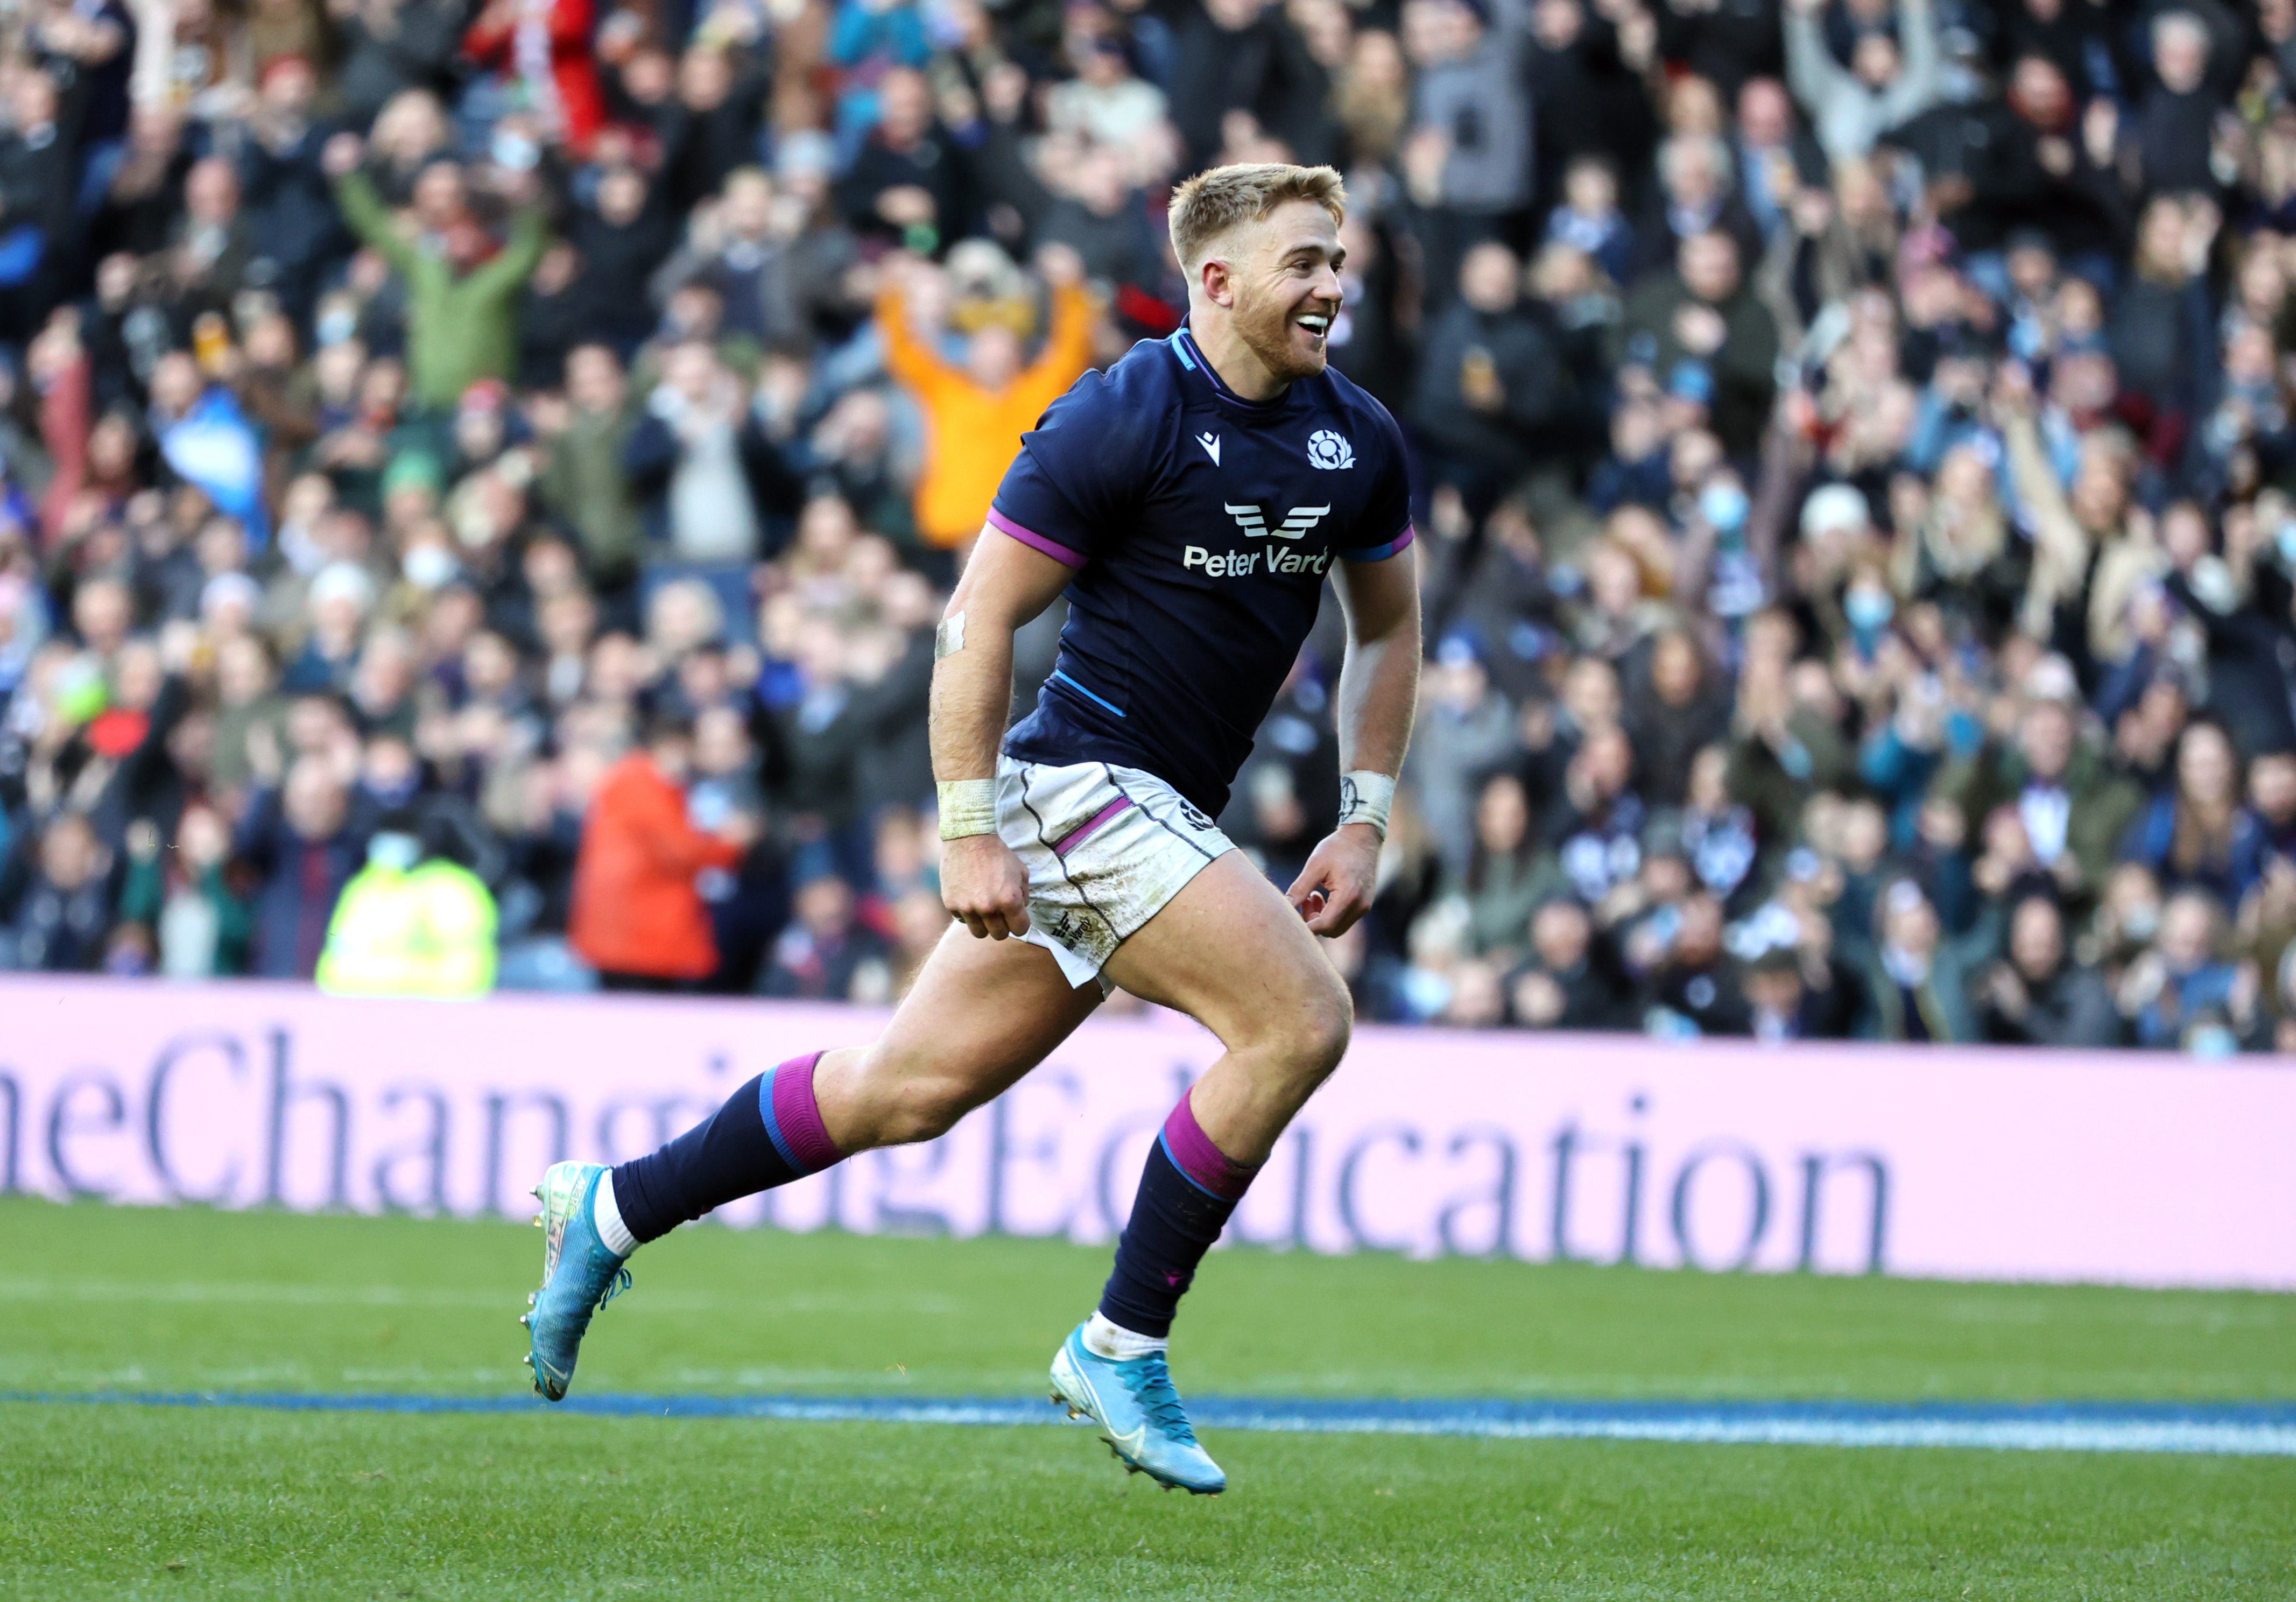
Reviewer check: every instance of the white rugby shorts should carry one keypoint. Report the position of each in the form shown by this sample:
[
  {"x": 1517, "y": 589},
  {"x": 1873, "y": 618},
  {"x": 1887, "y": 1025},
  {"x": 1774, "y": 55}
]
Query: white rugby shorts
[{"x": 1106, "y": 848}]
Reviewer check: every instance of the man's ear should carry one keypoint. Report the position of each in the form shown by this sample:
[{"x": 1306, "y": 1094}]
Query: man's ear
[{"x": 1219, "y": 283}]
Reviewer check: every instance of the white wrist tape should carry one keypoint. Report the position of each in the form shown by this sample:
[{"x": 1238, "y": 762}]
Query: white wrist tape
[
  {"x": 968, "y": 807},
  {"x": 1367, "y": 797}
]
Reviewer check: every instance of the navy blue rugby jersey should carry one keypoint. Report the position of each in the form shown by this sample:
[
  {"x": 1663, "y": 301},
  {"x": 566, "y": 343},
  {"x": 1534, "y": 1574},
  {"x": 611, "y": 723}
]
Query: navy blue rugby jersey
[{"x": 1201, "y": 527}]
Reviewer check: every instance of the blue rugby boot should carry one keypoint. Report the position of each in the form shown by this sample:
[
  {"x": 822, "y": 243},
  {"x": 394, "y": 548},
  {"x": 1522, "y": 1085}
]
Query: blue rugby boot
[
  {"x": 1139, "y": 1413},
  {"x": 579, "y": 1275}
]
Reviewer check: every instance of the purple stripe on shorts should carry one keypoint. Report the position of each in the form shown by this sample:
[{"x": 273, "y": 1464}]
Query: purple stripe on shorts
[
  {"x": 1084, "y": 831},
  {"x": 1381, "y": 552},
  {"x": 1036, "y": 541},
  {"x": 799, "y": 1115},
  {"x": 1193, "y": 1153}
]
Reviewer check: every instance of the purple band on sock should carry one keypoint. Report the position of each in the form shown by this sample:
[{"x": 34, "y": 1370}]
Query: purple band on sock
[
  {"x": 797, "y": 1117},
  {"x": 1193, "y": 1153}
]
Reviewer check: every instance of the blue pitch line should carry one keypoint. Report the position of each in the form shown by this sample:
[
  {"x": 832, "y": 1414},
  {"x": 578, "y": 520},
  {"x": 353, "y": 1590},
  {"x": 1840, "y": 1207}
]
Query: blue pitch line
[{"x": 2261, "y": 1429}]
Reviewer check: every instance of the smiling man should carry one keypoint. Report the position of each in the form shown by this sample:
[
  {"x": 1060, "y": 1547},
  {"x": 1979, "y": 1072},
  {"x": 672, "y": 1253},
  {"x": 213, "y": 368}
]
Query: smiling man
[{"x": 1191, "y": 503}]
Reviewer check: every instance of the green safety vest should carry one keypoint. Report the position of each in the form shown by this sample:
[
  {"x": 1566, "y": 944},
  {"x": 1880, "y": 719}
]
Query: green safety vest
[{"x": 428, "y": 931}]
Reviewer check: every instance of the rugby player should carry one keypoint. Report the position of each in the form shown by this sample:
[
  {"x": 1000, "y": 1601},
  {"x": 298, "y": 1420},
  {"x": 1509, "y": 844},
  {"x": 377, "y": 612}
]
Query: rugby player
[{"x": 1190, "y": 502}]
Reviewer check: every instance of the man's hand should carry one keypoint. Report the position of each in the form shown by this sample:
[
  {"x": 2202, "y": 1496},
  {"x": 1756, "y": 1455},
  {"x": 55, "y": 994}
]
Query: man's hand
[
  {"x": 984, "y": 886},
  {"x": 1335, "y": 888}
]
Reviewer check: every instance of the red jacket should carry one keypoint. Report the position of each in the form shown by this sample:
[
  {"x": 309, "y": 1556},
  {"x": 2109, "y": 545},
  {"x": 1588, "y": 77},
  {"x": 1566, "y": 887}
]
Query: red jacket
[
  {"x": 635, "y": 909},
  {"x": 492, "y": 42}
]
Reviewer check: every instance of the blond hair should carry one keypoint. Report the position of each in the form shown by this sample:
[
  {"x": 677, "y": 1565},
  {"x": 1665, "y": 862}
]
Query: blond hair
[{"x": 1218, "y": 199}]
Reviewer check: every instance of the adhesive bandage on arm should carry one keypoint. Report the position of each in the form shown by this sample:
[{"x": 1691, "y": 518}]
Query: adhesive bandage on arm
[
  {"x": 949, "y": 639},
  {"x": 1367, "y": 797},
  {"x": 968, "y": 807}
]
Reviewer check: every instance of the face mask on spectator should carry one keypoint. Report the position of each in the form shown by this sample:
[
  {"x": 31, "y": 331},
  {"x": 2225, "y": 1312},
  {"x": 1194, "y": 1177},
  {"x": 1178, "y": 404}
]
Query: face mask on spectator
[
  {"x": 1723, "y": 504},
  {"x": 427, "y": 566},
  {"x": 2141, "y": 921},
  {"x": 515, "y": 152},
  {"x": 336, "y": 324},
  {"x": 1869, "y": 609}
]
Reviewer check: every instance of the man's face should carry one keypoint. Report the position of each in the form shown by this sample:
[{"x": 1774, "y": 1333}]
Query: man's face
[
  {"x": 34, "y": 101},
  {"x": 1560, "y": 935},
  {"x": 1763, "y": 116},
  {"x": 2272, "y": 787},
  {"x": 2181, "y": 54},
  {"x": 1875, "y": 60},
  {"x": 439, "y": 195},
  {"x": 68, "y": 853},
  {"x": 594, "y": 379},
  {"x": 1912, "y": 926},
  {"x": 905, "y": 107},
  {"x": 1775, "y": 991},
  {"x": 1710, "y": 266},
  {"x": 1283, "y": 275},
  {"x": 2040, "y": 91},
  {"x": 825, "y": 907},
  {"x": 692, "y": 370},
  {"x": 2036, "y": 941},
  {"x": 1489, "y": 279},
  {"x": 2047, "y": 740},
  {"x": 992, "y": 357},
  {"x": 288, "y": 89},
  {"x": 314, "y": 800},
  {"x": 748, "y": 208}
]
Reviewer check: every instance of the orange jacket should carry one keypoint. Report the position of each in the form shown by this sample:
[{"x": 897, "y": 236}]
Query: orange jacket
[
  {"x": 635, "y": 909},
  {"x": 972, "y": 432}
]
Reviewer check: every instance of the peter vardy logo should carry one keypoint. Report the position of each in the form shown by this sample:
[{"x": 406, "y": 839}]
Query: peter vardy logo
[
  {"x": 1210, "y": 442},
  {"x": 1298, "y": 523},
  {"x": 1328, "y": 450}
]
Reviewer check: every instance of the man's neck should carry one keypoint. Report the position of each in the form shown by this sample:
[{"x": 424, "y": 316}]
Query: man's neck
[{"x": 1234, "y": 363}]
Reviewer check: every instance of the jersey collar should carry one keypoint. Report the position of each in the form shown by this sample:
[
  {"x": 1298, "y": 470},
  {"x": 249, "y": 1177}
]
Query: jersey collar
[{"x": 1191, "y": 357}]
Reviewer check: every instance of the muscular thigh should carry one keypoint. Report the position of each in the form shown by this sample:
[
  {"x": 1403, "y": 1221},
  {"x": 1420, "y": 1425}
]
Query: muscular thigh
[
  {"x": 981, "y": 1014},
  {"x": 1233, "y": 954}
]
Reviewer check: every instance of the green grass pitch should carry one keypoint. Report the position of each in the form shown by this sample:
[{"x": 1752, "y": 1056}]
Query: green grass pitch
[{"x": 120, "y": 1501}]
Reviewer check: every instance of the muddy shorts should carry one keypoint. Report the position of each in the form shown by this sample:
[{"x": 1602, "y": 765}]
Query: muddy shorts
[{"x": 1106, "y": 848}]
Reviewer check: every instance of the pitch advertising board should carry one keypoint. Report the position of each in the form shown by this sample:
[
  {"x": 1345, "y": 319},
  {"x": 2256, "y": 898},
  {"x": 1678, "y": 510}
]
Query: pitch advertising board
[{"x": 1962, "y": 1164}]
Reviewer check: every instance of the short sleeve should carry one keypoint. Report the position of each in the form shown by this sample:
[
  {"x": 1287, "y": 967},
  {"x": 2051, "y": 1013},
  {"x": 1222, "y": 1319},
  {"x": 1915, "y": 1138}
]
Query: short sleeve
[
  {"x": 1083, "y": 472},
  {"x": 1384, "y": 527}
]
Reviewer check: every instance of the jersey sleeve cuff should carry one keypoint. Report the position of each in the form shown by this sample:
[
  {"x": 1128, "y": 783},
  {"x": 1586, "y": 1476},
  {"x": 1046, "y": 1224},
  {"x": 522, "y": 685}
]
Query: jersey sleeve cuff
[
  {"x": 1036, "y": 541},
  {"x": 1381, "y": 552}
]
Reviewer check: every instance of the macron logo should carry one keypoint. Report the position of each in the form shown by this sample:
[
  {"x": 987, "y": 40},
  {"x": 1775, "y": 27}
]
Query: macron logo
[{"x": 1210, "y": 442}]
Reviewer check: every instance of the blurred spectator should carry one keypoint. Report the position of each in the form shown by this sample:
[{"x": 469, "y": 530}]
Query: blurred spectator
[
  {"x": 637, "y": 917},
  {"x": 462, "y": 291},
  {"x": 2183, "y": 993},
  {"x": 825, "y": 955},
  {"x": 1564, "y": 982},
  {"x": 971, "y": 411},
  {"x": 295, "y": 843},
  {"x": 60, "y": 918},
  {"x": 2038, "y": 994},
  {"x": 408, "y": 925}
]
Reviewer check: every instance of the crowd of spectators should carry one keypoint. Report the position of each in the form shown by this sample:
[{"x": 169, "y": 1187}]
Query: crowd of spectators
[{"x": 1856, "y": 482}]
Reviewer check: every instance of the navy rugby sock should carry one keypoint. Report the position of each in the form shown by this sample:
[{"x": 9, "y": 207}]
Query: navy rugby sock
[
  {"x": 769, "y": 1133},
  {"x": 1187, "y": 1191}
]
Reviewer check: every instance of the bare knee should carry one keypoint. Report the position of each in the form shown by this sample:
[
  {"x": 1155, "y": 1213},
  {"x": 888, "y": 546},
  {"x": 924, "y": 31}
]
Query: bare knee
[
  {"x": 1307, "y": 1034},
  {"x": 1330, "y": 1024}
]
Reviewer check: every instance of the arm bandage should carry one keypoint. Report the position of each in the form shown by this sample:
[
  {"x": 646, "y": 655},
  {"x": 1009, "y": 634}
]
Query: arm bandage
[
  {"x": 968, "y": 807},
  {"x": 1367, "y": 797}
]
